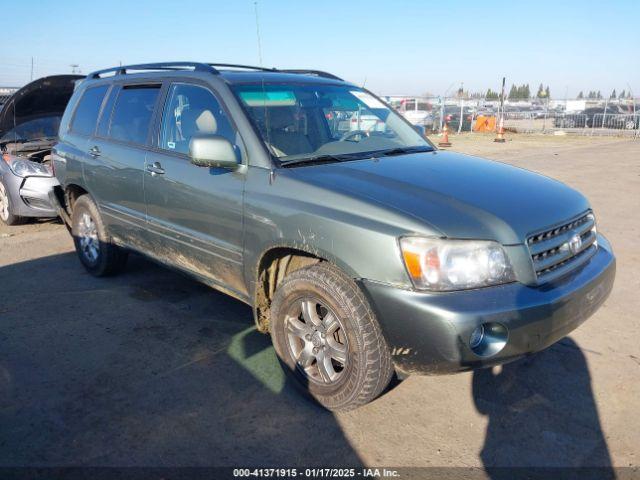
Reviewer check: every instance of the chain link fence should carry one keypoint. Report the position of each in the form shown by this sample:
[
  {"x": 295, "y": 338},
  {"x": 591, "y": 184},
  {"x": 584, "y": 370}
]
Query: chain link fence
[{"x": 574, "y": 116}]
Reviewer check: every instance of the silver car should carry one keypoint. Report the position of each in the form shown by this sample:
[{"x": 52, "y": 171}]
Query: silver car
[{"x": 29, "y": 124}]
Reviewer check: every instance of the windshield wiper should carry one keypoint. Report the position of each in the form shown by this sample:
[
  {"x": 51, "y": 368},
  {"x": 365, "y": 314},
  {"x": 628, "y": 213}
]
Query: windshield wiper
[
  {"x": 326, "y": 158},
  {"x": 404, "y": 150}
]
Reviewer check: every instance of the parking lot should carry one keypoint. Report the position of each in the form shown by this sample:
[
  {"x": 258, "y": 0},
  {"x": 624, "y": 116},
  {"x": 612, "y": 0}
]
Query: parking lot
[{"x": 153, "y": 368}]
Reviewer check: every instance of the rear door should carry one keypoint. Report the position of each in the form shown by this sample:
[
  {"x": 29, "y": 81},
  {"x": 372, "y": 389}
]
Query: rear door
[
  {"x": 71, "y": 153},
  {"x": 195, "y": 213},
  {"x": 115, "y": 174}
]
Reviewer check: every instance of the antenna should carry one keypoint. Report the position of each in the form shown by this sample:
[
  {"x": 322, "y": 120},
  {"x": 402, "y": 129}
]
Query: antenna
[
  {"x": 32, "y": 69},
  {"x": 255, "y": 6}
]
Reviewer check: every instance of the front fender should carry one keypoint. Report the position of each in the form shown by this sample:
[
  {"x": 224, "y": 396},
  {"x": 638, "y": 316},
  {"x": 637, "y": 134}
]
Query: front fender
[{"x": 284, "y": 213}]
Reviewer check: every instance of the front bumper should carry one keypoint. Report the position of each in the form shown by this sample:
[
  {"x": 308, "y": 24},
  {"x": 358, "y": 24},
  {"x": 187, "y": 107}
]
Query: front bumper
[
  {"x": 429, "y": 332},
  {"x": 30, "y": 195}
]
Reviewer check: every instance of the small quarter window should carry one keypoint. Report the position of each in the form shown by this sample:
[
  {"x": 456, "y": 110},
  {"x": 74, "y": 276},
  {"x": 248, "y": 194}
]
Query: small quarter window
[
  {"x": 105, "y": 116},
  {"x": 86, "y": 115}
]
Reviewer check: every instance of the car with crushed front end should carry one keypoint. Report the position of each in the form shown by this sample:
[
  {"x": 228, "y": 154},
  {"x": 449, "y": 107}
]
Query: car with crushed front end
[
  {"x": 363, "y": 253},
  {"x": 29, "y": 124}
]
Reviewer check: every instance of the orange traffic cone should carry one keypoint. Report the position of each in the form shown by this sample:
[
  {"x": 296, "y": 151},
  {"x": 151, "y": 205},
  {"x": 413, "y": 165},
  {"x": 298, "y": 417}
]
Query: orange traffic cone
[
  {"x": 445, "y": 137},
  {"x": 500, "y": 137}
]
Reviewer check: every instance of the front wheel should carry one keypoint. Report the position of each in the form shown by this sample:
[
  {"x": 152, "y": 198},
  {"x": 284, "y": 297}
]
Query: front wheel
[
  {"x": 327, "y": 337},
  {"x": 6, "y": 214},
  {"x": 98, "y": 255}
]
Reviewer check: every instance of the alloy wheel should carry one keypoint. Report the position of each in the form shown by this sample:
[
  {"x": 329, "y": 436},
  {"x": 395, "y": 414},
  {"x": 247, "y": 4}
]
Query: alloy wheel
[
  {"x": 4, "y": 203},
  {"x": 317, "y": 341},
  {"x": 88, "y": 238}
]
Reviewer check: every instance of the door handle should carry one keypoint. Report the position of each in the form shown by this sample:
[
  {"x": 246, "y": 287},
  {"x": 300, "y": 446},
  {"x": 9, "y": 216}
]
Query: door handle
[
  {"x": 155, "y": 169},
  {"x": 94, "y": 151}
]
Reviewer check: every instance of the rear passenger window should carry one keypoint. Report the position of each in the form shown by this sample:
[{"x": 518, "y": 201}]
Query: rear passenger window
[
  {"x": 132, "y": 113},
  {"x": 86, "y": 115}
]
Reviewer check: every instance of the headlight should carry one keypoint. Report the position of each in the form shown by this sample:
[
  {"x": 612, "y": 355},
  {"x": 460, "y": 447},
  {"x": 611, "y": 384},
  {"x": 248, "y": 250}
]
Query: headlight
[
  {"x": 441, "y": 265},
  {"x": 26, "y": 168}
]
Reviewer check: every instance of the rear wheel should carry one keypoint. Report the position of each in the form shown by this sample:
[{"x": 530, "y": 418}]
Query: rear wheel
[
  {"x": 98, "y": 255},
  {"x": 6, "y": 214},
  {"x": 327, "y": 337}
]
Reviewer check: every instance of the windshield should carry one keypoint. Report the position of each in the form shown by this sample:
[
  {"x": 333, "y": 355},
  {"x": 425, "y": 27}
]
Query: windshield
[
  {"x": 43, "y": 127},
  {"x": 299, "y": 122}
]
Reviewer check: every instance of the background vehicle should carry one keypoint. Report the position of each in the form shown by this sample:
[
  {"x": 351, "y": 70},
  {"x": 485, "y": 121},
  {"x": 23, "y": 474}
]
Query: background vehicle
[
  {"x": 416, "y": 112},
  {"x": 361, "y": 252},
  {"x": 453, "y": 119},
  {"x": 585, "y": 119},
  {"x": 28, "y": 129},
  {"x": 621, "y": 121}
]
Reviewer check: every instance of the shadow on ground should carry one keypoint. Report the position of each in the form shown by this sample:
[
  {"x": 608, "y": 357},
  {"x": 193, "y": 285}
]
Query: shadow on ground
[
  {"x": 541, "y": 412},
  {"x": 147, "y": 368}
]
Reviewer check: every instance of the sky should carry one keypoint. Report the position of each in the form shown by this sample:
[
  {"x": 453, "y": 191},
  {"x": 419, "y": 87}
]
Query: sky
[{"x": 392, "y": 47}]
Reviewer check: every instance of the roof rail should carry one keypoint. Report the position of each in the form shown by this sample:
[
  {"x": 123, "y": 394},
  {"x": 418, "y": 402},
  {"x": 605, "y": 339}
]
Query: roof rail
[
  {"x": 122, "y": 70},
  {"x": 246, "y": 67},
  {"x": 318, "y": 73},
  {"x": 201, "y": 67}
]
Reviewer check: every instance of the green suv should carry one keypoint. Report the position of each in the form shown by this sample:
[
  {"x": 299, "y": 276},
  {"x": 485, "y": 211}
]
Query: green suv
[{"x": 362, "y": 249}]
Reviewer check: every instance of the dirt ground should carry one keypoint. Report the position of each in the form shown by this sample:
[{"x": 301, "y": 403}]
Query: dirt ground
[{"x": 152, "y": 368}]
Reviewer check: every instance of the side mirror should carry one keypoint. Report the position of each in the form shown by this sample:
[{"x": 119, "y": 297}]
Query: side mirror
[
  {"x": 208, "y": 150},
  {"x": 420, "y": 129}
]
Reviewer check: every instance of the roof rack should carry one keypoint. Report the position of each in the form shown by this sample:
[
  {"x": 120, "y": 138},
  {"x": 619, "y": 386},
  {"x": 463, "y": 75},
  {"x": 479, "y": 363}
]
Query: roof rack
[
  {"x": 202, "y": 67},
  {"x": 122, "y": 70},
  {"x": 246, "y": 67},
  {"x": 318, "y": 73}
]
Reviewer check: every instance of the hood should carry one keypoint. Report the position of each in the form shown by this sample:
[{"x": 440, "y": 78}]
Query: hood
[
  {"x": 457, "y": 195},
  {"x": 45, "y": 97}
]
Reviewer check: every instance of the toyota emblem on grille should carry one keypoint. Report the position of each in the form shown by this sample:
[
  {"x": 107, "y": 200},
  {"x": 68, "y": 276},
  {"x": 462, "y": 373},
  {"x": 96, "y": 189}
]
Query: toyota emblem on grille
[{"x": 575, "y": 243}]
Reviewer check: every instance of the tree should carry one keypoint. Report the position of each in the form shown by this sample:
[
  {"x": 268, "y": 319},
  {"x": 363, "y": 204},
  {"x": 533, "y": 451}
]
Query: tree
[
  {"x": 599, "y": 95},
  {"x": 513, "y": 92},
  {"x": 580, "y": 95},
  {"x": 613, "y": 94},
  {"x": 622, "y": 94},
  {"x": 491, "y": 95},
  {"x": 547, "y": 92},
  {"x": 540, "y": 93}
]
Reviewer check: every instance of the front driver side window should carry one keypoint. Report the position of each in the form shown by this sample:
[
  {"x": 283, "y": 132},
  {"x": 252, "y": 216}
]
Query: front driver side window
[{"x": 191, "y": 110}]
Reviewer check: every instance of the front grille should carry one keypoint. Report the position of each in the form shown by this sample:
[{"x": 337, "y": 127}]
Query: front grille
[{"x": 557, "y": 251}]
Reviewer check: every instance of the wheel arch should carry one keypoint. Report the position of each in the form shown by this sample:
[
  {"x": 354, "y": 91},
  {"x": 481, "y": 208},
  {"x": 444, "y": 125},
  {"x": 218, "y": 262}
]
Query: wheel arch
[{"x": 275, "y": 263}]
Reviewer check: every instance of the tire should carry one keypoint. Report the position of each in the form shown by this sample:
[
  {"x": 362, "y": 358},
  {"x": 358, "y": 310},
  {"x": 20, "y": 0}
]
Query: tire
[
  {"x": 335, "y": 299},
  {"x": 96, "y": 252},
  {"x": 6, "y": 215}
]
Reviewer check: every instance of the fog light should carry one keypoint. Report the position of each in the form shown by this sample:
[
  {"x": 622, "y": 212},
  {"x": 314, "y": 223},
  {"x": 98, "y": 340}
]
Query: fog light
[
  {"x": 488, "y": 339},
  {"x": 476, "y": 337}
]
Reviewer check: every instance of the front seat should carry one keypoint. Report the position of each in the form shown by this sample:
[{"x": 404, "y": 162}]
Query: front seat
[
  {"x": 284, "y": 135},
  {"x": 197, "y": 120}
]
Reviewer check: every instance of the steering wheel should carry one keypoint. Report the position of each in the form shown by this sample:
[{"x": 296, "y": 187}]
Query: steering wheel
[{"x": 353, "y": 133}]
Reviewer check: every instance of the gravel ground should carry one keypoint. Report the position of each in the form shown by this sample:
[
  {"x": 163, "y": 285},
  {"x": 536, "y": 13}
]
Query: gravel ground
[{"x": 152, "y": 368}]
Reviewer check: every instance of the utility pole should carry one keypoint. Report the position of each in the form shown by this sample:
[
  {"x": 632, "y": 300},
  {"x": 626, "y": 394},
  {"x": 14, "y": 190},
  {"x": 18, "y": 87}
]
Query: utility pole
[
  {"x": 74, "y": 66},
  {"x": 32, "y": 69}
]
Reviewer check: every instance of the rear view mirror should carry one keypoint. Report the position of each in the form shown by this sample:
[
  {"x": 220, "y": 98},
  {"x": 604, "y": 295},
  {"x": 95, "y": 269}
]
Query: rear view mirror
[{"x": 208, "y": 150}]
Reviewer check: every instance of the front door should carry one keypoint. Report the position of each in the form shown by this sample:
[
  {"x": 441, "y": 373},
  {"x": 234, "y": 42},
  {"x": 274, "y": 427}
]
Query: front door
[{"x": 195, "y": 213}]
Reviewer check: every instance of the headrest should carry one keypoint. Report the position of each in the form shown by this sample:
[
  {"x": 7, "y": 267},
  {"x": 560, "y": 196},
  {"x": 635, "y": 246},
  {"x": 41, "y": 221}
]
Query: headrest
[{"x": 197, "y": 120}]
